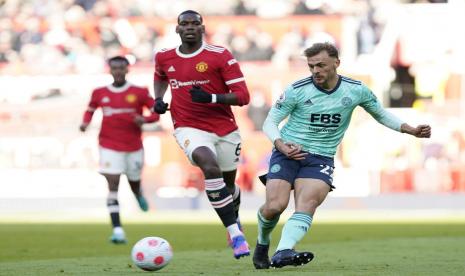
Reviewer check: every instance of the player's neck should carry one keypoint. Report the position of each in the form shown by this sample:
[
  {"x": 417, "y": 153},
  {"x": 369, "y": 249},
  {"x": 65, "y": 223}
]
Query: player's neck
[
  {"x": 331, "y": 83},
  {"x": 189, "y": 48},
  {"x": 119, "y": 84}
]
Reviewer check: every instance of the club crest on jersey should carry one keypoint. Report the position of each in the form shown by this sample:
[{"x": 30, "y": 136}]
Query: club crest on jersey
[
  {"x": 346, "y": 101},
  {"x": 201, "y": 67},
  {"x": 282, "y": 98},
  {"x": 131, "y": 98},
  {"x": 105, "y": 100}
]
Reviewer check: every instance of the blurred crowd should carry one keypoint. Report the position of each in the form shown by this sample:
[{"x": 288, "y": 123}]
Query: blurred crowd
[{"x": 76, "y": 36}]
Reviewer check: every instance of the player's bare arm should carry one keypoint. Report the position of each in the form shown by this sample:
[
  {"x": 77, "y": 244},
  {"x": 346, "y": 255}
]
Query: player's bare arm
[
  {"x": 421, "y": 131},
  {"x": 139, "y": 120},
  {"x": 159, "y": 88}
]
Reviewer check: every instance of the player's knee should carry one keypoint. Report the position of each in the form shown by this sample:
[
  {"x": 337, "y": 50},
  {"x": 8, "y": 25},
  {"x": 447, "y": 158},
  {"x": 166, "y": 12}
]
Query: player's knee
[
  {"x": 273, "y": 209},
  {"x": 307, "y": 206},
  {"x": 211, "y": 171}
]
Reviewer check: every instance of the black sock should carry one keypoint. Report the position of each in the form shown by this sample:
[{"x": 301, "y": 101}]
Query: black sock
[
  {"x": 135, "y": 187},
  {"x": 113, "y": 208},
  {"x": 221, "y": 200},
  {"x": 237, "y": 200}
]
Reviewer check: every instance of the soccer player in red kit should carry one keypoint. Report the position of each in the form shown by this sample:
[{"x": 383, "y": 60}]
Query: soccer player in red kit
[
  {"x": 205, "y": 81},
  {"x": 120, "y": 143}
]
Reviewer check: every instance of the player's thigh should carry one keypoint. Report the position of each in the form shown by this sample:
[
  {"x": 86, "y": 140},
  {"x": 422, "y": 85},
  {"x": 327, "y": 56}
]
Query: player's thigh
[
  {"x": 317, "y": 167},
  {"x": 309, "y": 193},
  {"x": 228, "y": 149},
  {"x": 189, "y": 139},
  {"x": 111, "y": 162},
  {"x": 134, "y": 164}
]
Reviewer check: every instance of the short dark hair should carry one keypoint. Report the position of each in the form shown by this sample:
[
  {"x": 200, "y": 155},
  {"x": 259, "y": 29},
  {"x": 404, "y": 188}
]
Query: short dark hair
[
  {"x": 190, "y": 12},
  {"x": 316, "y": 48},
  {"x": 118, "y": 58}
]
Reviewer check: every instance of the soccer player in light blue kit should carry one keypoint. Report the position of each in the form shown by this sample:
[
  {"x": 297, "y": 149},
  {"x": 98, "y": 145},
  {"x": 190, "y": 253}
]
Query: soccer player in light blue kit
[{"x": 318, "y": 109}]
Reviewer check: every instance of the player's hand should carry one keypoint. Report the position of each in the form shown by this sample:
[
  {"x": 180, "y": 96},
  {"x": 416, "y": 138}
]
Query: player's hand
[
  {"x": 83, "y": 127},
  {"x": 160, "y": 106},
  {"x": 290, "y": 149},
  {"x": 139, "y": 120},
  {"x": 198, "y": 95},
  {"x": 421, "y": 131}
]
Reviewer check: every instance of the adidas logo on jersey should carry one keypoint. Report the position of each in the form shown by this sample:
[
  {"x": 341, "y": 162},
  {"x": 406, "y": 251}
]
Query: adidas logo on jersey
[
  {"x": 308, "y": 102},
  {"x": 171, "y": 69}
]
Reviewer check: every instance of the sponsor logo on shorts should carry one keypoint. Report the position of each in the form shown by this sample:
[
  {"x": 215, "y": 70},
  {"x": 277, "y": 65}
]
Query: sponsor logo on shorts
[
  {"x": 186, "y": 143},
  {"x": 275, "y": 168}
]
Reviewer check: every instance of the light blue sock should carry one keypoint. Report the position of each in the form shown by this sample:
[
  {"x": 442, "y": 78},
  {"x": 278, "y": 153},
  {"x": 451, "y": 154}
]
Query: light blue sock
[
  {"x": 294, "y": 230},
  {"x": 265, "y": 227}
]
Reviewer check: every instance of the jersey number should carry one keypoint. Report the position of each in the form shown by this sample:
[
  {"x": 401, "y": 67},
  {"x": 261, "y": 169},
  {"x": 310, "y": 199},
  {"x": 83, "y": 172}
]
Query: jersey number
[
  {"x": 328, "y": 170},
  {"x": 238, "y": 149}
]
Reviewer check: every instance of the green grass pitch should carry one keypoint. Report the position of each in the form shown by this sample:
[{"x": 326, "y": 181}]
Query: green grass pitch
[{"x": 200, "y": 249}]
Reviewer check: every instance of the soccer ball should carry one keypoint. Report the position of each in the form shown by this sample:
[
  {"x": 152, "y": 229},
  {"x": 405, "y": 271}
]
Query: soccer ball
[{"x": 151, "y": 253}]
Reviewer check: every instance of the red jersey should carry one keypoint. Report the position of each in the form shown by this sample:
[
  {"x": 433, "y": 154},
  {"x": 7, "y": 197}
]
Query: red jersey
[
  {"x": 119, "y": 106},
  {"x": 216, "y": 71}
]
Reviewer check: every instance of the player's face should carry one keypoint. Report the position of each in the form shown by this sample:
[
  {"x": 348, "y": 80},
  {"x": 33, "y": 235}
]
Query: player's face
[
  {"x": 323, "y": 68},
  {"x": 118, "y": 69},
  {"x": 190, "y": 28}
]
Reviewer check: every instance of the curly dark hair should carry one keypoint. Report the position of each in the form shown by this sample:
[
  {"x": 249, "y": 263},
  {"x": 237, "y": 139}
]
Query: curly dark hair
[
  {"x": 191, "y": 12},
  {"x": 118, "y": 58}
]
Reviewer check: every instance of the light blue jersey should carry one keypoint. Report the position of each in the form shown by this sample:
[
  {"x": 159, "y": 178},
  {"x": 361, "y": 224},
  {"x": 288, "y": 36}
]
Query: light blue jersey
[{"x": 318, "y": 118}]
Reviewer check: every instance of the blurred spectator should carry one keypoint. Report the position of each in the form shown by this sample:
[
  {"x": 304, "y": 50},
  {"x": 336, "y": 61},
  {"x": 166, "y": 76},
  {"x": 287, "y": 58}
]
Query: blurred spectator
[
  {"x": 71, "y": 29},
  {"x": 258, "y": 109},
  {"x": 241, "y": 8},
  {"x": 308, "y": 7}
]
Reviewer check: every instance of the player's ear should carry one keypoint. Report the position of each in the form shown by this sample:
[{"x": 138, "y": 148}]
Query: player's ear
[
  {"x": 337, "y": 63},
  {"x": 177, "y": 29},
  {"x": 203, "y": 29}
]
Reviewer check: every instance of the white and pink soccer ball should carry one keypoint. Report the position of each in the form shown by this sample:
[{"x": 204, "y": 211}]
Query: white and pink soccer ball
[{"x": 152, "y": 253}]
